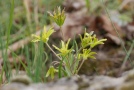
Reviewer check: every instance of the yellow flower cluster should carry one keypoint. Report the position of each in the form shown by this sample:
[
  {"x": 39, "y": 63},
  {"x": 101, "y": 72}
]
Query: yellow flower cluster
[
  {"x": 64, "y": 48},
  {"x": 58, "y": 16},
  {"x": 44, "y": 36}
]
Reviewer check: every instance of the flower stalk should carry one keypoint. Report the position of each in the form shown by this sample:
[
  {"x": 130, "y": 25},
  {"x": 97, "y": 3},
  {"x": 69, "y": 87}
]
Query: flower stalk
[{"x": 69, "y": 62}]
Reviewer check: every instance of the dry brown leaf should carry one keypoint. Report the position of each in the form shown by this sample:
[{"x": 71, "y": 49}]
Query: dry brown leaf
[
  {"x": 114, "y": 39},
  {"x": 129, "y": 29},
  {"x": 73, "y": 5},
  {"x": 102, "y": 24}
]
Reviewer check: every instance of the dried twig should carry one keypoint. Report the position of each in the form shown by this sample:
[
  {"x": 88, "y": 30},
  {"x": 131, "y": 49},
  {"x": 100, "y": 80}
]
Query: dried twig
[
  {"x": 36, "y": 12},
  {"x": 28, "y": 13}
]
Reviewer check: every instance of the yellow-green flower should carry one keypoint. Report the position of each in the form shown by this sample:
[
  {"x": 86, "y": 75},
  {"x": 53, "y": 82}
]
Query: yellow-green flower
[
  {"x": 96, "y": 42},
  {"x": 85, "y": 41},
  {"x": 51, "y": 72},
  {"x": 90, "y": 40},
  {"x": 58, "y": 16},
  {"x": 64, "y": 48},
  {"x": 87, "y": 54},
  {"x": 44, "y": 36}
]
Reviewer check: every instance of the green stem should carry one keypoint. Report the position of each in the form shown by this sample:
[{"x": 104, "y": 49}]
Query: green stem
[
  {"x": 80, "y": 66},
  {"x": 77, "y": 56},
  {"x": 62, "y": 34},
  {"x": 53, "y": 51},
  {"x": 127, "y": 56}
]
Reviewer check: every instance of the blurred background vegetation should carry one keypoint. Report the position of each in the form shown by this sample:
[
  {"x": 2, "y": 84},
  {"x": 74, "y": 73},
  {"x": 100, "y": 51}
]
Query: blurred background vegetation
[{"x": 29, "y": 16}]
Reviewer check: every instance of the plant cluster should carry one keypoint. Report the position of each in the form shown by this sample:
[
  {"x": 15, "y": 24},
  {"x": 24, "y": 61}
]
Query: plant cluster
[{"x": 69, "y": 62}]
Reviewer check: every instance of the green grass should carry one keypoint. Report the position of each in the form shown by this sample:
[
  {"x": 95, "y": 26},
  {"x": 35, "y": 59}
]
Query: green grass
[
  {"x": 6, "y": 64},
  {"x": 14, "y": 27}
]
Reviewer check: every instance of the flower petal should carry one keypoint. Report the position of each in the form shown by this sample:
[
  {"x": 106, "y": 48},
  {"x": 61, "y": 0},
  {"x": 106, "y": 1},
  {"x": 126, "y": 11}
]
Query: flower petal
[
  {"x": 56, "y": 48},
  {"x": 35, "y": 38}
]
